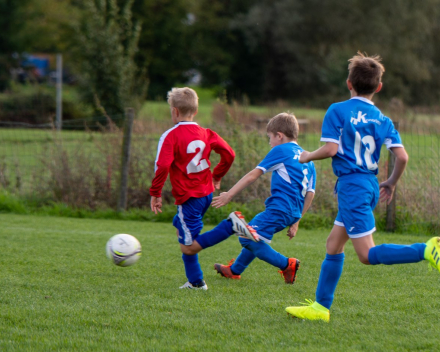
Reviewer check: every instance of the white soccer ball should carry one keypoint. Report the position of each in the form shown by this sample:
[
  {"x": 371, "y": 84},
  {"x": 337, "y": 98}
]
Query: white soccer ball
[{"x": 123, "y": 250}]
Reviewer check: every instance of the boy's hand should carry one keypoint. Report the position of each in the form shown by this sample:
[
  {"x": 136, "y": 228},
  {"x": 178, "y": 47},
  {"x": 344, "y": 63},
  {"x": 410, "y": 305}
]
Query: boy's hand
[
  {"x": 156, "y": 204},
  {"x": 291, "y": 232},
  {"x": 216, "y": 183},
  {"x": 221, "y": 200},
  {"x": 386, "y": 191},
  {"x": 304, "y": 157}
]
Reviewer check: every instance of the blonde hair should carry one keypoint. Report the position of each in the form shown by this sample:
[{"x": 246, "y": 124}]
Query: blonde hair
[
  {"x": 365, "y": 73},
  {"x": 285, "y": 123},
  {"x": 184, "y": 99}
]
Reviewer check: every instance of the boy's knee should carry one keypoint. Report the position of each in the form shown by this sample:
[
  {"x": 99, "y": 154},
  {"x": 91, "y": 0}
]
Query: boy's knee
[
  {"x": 363, "y": 259},
  {"x": 333, "y": 248},
  {"x": 192, "y": 249},
  {"x": 188, "y": 250}
]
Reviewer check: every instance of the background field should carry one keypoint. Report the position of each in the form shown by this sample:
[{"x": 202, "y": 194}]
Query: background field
[
  {"x": 80, "y": 170},
  {"x": 60, "y": 293}
]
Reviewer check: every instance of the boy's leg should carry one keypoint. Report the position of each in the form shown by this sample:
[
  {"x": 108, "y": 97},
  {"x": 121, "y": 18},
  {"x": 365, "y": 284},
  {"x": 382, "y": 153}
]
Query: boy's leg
[
  {"x": 267, "y": 224},
  {"x": 188, "y": 222},
  {"x": 356, "y": 214},
  {"x": 218, "y": 234},
  {"x": 242, "y": 262},
  {"x": 265, "y": 252},
  {"x": 331, "y": 270},
  {"x": 389, "y": 254},
  {"x": 235, "y": 268},
  {"x": 193, "y": 270}
]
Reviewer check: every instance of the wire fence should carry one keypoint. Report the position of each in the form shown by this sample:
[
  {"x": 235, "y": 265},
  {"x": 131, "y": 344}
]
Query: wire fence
[{"x": 81, "y": 166}]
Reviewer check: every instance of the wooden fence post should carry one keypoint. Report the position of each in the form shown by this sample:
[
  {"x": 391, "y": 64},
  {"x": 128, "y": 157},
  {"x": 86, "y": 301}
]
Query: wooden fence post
[
  {"x": 125, "y": 160},
  {"x": 391, "y": 208}
]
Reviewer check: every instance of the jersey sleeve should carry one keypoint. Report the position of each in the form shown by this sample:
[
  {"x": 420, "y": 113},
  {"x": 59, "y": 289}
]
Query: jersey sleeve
[
  {"x": 227, "y": 155},
  {"x": 331, "y": 126},
  {"x": 271, "y": 161},
  {"x": 164, "y": 159},
  {"x": 312, "y": 181},
  {"x": 392, "y": 138}
]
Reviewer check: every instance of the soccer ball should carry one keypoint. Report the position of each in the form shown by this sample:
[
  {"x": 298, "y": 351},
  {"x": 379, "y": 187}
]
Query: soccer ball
[{"x": 123, "y": 250}]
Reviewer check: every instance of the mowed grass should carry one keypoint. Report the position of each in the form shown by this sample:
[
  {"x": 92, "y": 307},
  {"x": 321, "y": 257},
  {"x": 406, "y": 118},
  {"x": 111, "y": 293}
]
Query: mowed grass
[
  {"x": 160, "y": 111},
  {"x": 60, "y": 293}
]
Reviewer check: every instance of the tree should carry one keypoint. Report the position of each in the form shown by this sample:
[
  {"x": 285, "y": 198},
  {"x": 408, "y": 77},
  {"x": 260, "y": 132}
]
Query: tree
[
  {"x": 107, "y": 41},
  {"x": 164, "y": 43},
  {"x": 219, "y": 51},
  {"x": 8, "y": 45},
  {"x": 305, "y": 45}
]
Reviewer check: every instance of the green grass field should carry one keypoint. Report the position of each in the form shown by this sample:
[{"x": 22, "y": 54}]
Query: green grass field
[{"x": 60, "y": 293}]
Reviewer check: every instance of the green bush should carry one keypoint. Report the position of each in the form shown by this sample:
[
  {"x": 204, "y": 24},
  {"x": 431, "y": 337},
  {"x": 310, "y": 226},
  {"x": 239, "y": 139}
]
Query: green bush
[{"x": 36, "y": 104}]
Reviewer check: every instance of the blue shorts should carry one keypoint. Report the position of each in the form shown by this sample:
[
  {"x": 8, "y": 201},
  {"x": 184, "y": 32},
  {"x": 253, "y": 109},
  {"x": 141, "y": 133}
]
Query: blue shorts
[
  {"x": 357, "y": 197},
  {"x": 269, "y": 222},
  {"x": 189, "y": 218}
]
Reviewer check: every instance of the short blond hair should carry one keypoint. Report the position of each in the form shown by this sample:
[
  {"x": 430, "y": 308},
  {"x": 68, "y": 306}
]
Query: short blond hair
[
  {"x": 285, "y": 123},
  {"x": 365, "y": 73},
  {"x": 184, "y": 99}
]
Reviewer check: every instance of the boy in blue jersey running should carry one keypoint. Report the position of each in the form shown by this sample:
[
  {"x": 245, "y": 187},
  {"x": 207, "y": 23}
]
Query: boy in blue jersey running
[
  {"x": 292, "y": 192},
  {"x": 354, "y": 131}
]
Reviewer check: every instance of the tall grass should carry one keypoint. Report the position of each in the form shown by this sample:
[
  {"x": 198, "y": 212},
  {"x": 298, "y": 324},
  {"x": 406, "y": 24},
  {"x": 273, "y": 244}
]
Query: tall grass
[{"x": 77, "y": 173}]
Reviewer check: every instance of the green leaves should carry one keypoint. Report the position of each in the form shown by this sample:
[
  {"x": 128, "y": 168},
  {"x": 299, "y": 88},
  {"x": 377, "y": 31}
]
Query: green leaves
[{"x": 107, "y": 40}]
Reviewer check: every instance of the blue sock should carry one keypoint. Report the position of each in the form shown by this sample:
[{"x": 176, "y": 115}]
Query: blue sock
[
  {"x": 265, "y": 252},
  {"x": 243, "y": 260},
  {"x": 396, "y": 254},
  {"x": 331, "y": 270},
  {"x": 219, "y": 233},
  {"x": 193, "y": 270}
]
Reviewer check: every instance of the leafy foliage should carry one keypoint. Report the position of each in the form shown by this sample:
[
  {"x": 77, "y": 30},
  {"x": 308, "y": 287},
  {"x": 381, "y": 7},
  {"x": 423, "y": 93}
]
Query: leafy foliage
[
  {"x": 305, "y": 45},
  {"x": 8, "y": 25},
  {"x": 107, "y": 44},
  {"x": 164, "y": 43},
  {"x": 263, "y": 50}
]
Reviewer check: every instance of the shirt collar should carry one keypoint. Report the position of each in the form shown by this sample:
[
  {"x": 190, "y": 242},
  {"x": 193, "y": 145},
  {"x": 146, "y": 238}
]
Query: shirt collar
[
  {"x": 186, "y": 123},
  {"x": 368, "y": 101}
]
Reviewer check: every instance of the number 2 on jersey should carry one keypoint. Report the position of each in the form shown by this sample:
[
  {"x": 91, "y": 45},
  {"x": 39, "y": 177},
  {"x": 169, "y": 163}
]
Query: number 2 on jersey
[
  {"x": 370, "y": 147},
  {"x": 196, "y": 165}
]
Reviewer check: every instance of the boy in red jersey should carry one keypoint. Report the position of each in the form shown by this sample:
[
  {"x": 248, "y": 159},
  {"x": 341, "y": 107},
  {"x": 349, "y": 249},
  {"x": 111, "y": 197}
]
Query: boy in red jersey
[{"x": 183, "y": 152}]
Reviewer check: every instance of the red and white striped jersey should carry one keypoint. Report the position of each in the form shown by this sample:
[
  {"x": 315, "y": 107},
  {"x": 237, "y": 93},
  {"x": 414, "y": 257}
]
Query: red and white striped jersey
[{"x": 184, "y": 151}]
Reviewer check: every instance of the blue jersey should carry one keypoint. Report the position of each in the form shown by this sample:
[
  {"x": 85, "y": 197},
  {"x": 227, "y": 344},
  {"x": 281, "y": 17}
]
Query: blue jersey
[
  {"x": 291, "y": 180},
  {"x": 360, "y": 129}
]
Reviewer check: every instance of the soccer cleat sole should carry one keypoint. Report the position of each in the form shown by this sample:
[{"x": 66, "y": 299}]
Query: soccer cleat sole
[
  {"x": 189, "y": 286},
  {"x": 218, "y": 268},
  {"x": 312, "y": 316},
  {"x": 241, "y": 227},
  {"x": 434, "y": 253},
  {"x": 297, "y": 264},
  {"x": 296, "y": 270}
]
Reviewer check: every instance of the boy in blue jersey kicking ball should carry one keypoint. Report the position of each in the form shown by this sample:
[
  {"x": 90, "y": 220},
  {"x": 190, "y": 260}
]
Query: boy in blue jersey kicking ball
[
  {"x": 354, "y": 131},
  {"x": 292, "y": 192}
]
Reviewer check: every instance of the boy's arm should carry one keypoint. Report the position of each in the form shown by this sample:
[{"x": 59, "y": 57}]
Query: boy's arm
[
  {"x": 225, "y": 197},
  {"x": 328, "y": 150},
  {"x": 291, "y": 232},
  {"x": 164, "y": 159},
  {"x": 156, "y": 204},
  {"x": 387, "y": 188},
  {"x": 227, "y": 157}
]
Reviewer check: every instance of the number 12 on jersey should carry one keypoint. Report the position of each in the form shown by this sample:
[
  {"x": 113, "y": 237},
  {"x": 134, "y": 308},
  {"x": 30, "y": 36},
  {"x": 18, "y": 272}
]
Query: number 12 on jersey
[{"x": 370, "y": 146}]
